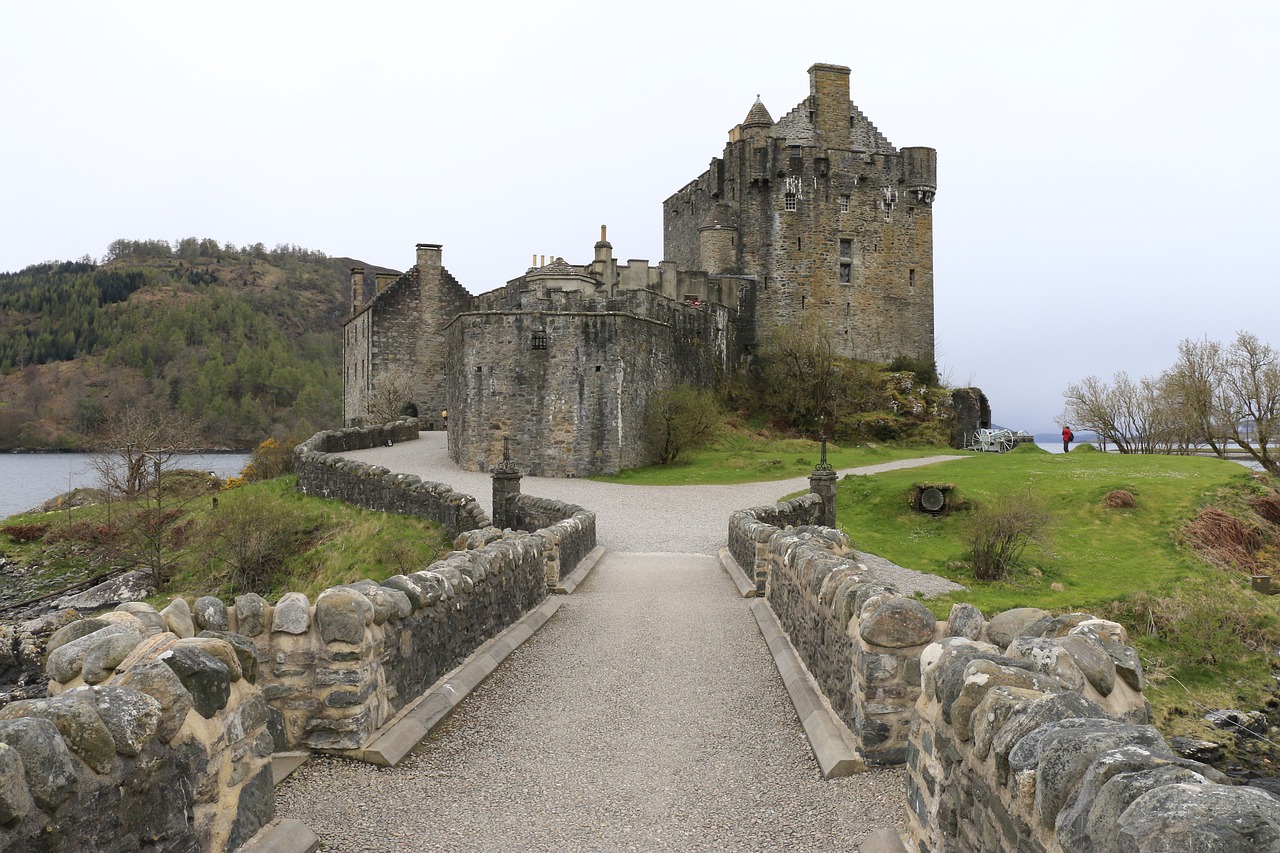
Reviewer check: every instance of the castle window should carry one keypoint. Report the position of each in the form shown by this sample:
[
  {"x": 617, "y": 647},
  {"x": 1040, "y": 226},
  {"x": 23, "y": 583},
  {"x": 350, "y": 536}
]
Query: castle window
[
  {"x": 789, "y": 201},
  {"x": 844, "y": 204},
  {"x": 911, "y": 281},
  {"x": 846, "y": 272},
  {"x": 540, "y": 339},
  {"x": 846, "y": 248}
]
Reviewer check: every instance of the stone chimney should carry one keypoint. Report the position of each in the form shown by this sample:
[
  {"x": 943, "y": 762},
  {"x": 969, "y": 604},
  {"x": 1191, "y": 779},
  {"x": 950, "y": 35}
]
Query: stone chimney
[{"x": 829, "y": 104}]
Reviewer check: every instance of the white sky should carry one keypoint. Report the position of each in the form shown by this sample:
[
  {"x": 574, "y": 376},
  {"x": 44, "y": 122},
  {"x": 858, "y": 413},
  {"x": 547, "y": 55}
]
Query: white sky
[{"x": 1107, "y": 171}]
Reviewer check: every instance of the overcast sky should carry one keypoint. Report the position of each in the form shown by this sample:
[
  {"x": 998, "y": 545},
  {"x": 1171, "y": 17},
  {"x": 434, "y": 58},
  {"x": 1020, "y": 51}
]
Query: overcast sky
[{"x": 1107, "y": 171}]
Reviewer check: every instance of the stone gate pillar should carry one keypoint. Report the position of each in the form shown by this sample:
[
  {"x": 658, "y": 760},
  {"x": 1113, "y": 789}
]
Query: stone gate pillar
[
  {"x": 822, "y": 482},
  {"x": 506, "y": 488}
]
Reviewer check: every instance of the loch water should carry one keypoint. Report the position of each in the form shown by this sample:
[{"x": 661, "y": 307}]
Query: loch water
[{"x": 29, "y": 479}]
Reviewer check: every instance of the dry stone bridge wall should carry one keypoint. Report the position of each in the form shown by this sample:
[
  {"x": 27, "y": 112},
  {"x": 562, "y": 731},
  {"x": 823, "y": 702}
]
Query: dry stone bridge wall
[{"x": 1023, "y": 732}]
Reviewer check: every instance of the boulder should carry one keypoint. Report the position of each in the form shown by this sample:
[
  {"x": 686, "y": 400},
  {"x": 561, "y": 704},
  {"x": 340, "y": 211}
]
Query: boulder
[
  {"x": 65, "y": 663},
  {"x": 1199, "y": 817},
  {"x": 292, "y": 614},
  {"x": 246, "y": 652},
  {"x": 178, "y": 617},
  {"x": 1060, "y": 753},
  {"x": 161, "y": 683},
  {"x": 981, "y": 675},
  {"x": 1035, "y": 714},
  {"x": 15, "y": 802},
  {"x": 1003, "y": 627},
  {"x": 211, "y": 614},
  {"x": 342, "y": 614},
  {"x": 47, "y": 764},
  {"x": 217, "y": 648},
  {"x": 1098, "y": 667},
  {"x": 77, "y": 720},
  {"x": 1047, "y": 656},
  {"x": 204, "y": 676},
  {"x": 130, "y": 716},
  {"x": 251, "y": 614},
  {"x": 102, "y": 658},
  {"x": 896, "y": 622},
  {"x": 150, "y": 618},
  {"x": 73, "y": 631},
  {"x": 965, "y": 620}
]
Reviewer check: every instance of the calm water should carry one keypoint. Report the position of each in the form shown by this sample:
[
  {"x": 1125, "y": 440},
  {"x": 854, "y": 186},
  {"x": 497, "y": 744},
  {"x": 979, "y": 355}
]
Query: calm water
[{"x": 29, "y": 479}]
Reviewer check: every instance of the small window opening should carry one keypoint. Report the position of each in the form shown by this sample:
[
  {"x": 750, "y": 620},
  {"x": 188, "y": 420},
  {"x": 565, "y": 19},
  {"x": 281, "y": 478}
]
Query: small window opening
[
  {"x": 597, "y": 368},
  {"x": 799, "y": 242},
  {"x": 789, "y": 201},
  {"x": 844, "y": 204},
  {"x": 846, "y": 273},
  {"x": 911, "y": 281},
  {"x": 846, "y": 308},
  {"x": 846, "y": 248},
  {"x": 802, "y": 302},
  {"x": 540, "y": 339},
  {"x": 479, "y": 369}
]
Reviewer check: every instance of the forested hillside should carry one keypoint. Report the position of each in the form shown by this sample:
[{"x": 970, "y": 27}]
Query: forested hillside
[{"x": 246, "y": 341}]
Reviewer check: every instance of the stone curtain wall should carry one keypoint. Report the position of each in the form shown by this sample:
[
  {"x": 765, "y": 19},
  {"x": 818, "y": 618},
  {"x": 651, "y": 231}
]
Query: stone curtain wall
[
  {"x": 147, "y": 740},
  {"x": 751, "y": 529},
  {"x": 566, "y": 377},
  {"x": 1033, "y": 737},
  {"x": 324, "y": 474}
]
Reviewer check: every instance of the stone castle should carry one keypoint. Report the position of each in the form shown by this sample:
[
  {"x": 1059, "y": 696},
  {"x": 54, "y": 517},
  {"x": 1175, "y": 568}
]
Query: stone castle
[{"x": 814, "y": 214}]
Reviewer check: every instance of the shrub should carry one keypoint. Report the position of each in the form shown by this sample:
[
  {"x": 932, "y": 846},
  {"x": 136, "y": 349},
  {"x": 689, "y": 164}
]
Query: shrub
[
  {"x": 680, "y": 419},
  {"x": 270, "y": 459},
  {"x": 1001, "y": 530},
  {"x": 25, "y": 533},
  {"x": 252, "y": 537},
  {"x": 1119, "y": 499}
]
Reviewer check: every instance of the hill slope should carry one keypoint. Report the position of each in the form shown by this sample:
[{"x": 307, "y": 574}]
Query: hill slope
[{"x": 246, "y": 341}]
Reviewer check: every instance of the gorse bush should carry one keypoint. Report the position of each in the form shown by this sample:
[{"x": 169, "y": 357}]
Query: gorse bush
[{"x": 1000, "y": 531}]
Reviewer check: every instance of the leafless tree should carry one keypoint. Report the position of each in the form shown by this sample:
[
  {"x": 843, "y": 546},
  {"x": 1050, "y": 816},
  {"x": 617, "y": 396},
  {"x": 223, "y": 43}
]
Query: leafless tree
[
  {"x": 137, "y": 454},
  {"x": 1251, "y": 382},
  {"x": 391, "y": 396},
  {"x": 1195, "y": 387}
]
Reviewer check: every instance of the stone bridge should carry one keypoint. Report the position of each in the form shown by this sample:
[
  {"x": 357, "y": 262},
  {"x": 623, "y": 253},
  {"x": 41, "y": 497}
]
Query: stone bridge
[{"x": 687, "y": 689}]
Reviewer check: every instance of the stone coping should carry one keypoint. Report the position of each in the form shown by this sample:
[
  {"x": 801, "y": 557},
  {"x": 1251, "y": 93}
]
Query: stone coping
[
  {"x": 396, "y": 739},
  {"x": 283, "y": 836},
  {"x": 566, "y": 586},
  {"x": 746, "y": 588},
  {"x": 832, "y": 742}
]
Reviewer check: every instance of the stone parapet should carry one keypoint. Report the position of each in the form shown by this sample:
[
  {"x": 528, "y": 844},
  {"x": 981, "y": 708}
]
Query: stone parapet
[
  {"x": 323, "y": 473},
  {"x": 147, "y": 739},
  {"x": 1030, "y": 733},
  {"x": 750, "y": 530}
]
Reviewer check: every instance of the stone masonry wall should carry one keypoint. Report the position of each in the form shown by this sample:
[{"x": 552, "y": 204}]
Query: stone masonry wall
[
  {"x": 1028, "y": 732},
  {"x": 323, "y": 473},
  {"x": 568, "y": 384},
  {"x": 147, "y": 741},
  {"x": 1031, "y": 734},
  {"x": 751, "y": 529}
]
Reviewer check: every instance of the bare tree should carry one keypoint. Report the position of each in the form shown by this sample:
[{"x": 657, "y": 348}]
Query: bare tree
[
  {"x": 1251, "y": 382},
  {"x": 391, "y": 397},
  {"x": 1194, "y": 388},
  {"x": 802, "y": 372},
  {"x": 137, "y": 454}
]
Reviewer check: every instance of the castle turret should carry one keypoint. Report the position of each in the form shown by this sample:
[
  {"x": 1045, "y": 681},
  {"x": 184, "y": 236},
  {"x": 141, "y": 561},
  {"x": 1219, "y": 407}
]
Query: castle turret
[
  {"x": 829, "y": 104},
  {"x": 921, "y": 172},
  {"x": 718, "y": 241},
  {"x": 604, "y": 269}
]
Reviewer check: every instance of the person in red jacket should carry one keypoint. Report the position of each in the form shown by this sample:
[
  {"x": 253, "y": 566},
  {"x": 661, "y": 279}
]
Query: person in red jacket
[{"x": 1067, "y": 437}]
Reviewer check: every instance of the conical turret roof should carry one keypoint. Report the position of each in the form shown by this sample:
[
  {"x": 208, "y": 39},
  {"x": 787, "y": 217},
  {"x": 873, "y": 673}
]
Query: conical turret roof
[{"x": 758, "y": 116}]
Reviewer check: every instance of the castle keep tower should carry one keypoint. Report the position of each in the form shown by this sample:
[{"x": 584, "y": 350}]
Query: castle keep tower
[{"x": 828, "y": 217}]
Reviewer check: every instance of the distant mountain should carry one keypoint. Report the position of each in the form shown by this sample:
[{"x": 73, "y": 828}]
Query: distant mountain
[{"x": 246, "y": 340}]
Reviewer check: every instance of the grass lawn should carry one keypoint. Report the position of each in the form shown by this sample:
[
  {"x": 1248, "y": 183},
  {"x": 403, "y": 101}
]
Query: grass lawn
[
  {"x": 1193, "y": 623},
  {"x": 741, "y": 459}
]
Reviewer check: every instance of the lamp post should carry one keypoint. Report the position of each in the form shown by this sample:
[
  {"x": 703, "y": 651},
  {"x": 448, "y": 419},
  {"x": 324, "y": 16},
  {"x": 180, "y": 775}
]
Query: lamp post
[{"x": 444, "y": 416}]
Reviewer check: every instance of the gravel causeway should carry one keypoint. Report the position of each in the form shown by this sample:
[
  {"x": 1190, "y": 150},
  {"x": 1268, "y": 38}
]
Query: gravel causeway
[{"x": 646, "y": 715}]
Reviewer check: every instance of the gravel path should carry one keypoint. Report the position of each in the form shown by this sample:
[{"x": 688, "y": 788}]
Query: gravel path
[
  {"x": 645, "y": 519},
  {"x": 647, "y": 715}
]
